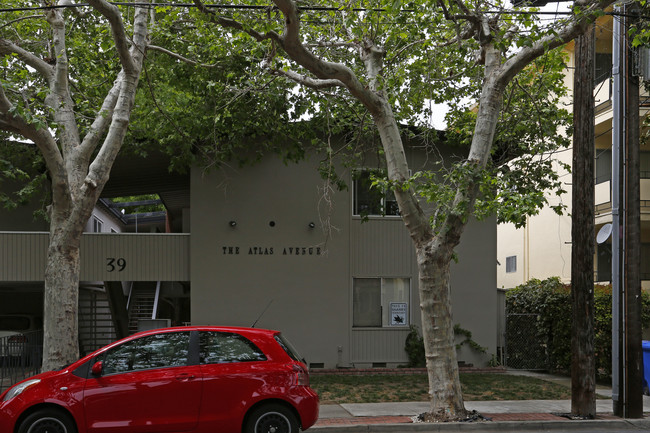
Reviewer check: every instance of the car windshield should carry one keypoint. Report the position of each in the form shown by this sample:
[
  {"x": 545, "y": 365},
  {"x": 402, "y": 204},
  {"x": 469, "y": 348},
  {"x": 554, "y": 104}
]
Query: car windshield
[{"x": 288, "y": 347}]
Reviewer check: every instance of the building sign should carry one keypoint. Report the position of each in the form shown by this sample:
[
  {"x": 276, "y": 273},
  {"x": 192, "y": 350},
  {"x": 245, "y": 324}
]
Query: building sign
[
  {"x": 399, "y": 314},
  {"x": 270, "y": 251}
]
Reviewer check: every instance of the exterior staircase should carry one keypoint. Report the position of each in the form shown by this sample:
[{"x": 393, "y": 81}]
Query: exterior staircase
[
  {"x": 95, "y": 321},
  {"x": 96, "y": 324},
  {"x": 143, "y": 302}
]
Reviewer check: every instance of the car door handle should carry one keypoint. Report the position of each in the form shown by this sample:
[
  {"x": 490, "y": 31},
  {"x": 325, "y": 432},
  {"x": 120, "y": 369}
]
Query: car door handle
[{"x": 184, "y": 377}]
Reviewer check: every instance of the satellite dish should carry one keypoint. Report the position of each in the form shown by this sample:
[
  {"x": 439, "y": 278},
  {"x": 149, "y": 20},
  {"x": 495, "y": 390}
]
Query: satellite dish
[{"x": 604, "y": 233}]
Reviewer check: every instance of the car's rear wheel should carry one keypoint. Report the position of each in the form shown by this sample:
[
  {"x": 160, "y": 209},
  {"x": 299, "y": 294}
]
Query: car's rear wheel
[
  {"x": 271, "y": 418},
  {"x": 47, "y": 421}
]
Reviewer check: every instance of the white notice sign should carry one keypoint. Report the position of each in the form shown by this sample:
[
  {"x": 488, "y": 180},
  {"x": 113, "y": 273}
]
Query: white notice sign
[{"x": 399, "y": 314}]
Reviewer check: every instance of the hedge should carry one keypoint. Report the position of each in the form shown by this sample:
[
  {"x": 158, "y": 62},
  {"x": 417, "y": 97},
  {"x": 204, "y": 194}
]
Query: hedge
[{"x": 551, "y": 301}]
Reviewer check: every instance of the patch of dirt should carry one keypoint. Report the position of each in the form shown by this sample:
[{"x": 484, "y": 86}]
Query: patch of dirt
[{"x": 470, "y": 416}]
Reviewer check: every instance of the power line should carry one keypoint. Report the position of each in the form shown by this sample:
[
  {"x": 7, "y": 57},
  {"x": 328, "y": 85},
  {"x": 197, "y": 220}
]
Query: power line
[
  {"x": 246, "y": 7},
  {"x": 266, "y": 8},
  {"x": 192, "y": 5}
]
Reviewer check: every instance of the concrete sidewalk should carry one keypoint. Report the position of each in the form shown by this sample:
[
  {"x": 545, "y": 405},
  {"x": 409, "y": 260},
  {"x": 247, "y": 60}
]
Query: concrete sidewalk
[{"x": 531, "y": 415}]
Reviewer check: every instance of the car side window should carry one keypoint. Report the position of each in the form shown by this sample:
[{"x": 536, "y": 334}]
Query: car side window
[
  {"x": 168, "y": 349},
  {"x": 225, "y": 347}
]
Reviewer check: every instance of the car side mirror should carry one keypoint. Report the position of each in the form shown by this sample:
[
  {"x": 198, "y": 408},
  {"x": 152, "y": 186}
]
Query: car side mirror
[{"x": 97, "y": 368}]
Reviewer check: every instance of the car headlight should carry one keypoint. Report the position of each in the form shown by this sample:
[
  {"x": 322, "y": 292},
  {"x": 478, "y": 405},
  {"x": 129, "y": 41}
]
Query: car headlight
[{"x": 18, "y": 389}]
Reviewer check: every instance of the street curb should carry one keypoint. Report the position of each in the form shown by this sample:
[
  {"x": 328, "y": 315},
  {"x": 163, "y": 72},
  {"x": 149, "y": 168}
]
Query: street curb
[{"x": 502, "y": 426}]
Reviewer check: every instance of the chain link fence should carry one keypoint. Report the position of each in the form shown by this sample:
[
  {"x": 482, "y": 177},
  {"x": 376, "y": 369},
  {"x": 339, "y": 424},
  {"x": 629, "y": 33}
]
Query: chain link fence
[{"x": 525, "y": 349}]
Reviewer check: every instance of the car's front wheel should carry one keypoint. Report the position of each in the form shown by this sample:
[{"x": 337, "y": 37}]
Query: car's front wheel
[
  {"x": 47, "y": 421},
  {"x": 271, "y": 418}
]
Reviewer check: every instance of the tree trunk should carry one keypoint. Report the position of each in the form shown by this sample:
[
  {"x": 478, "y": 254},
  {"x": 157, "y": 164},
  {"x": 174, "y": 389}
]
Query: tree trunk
[
  {"x": 61, "y": 299},
  {"x": 433, "y": 257},
  {"x": 438, "y": 333},
  {"x": 77, "y": 183}
]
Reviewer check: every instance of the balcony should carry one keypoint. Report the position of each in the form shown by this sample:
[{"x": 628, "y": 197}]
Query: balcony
[{"x": 104, "y": 256}]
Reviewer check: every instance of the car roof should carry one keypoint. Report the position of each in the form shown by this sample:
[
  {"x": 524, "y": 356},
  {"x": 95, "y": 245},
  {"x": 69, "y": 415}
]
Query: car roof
[{"x": 235, "y": 329}]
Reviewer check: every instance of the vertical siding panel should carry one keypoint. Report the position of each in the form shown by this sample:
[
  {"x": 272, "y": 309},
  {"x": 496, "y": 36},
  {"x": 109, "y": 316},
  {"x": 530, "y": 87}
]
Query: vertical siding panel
[
  {"x": 20, "y": 256},
  {"x": 149, "y": 257},
  {"x": 380, "y": 248},
  {"x": 371, "y": 345}
]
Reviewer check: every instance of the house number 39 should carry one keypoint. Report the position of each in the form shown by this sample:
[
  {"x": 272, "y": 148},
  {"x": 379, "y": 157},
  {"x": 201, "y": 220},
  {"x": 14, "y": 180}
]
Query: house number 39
[{"x": 113, "y": 264}]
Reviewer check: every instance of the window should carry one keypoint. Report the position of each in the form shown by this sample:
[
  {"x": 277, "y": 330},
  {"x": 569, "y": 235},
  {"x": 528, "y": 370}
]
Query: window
[
  {"x": 645, "y": 164},
  {"x": 97, "y": 225},
  {"x": 604, "y": 262},
  {"x": 369, "y": 200},
  {"x": 288, "y": 347},
  {"x": 603, "y": 67},
  {"x": 223, "y": 347},
  {"x": 511, "y": 264},
  {"x": 380, "y": 302},
  {"x": 645, "y": 261},
  {"x": 169, "y": 349},
  {"x": 604, "y": 165}
]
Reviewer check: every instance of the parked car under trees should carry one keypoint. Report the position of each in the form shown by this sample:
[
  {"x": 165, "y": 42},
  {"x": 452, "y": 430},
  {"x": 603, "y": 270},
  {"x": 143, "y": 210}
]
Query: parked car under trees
[{"x": 191, "y": 379}]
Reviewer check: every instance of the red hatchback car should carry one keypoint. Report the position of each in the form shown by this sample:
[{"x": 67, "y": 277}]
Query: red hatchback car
[{"x": 200, "y": 379}]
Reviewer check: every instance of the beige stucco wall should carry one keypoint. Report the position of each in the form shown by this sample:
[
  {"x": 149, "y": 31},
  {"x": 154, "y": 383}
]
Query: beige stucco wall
[
  {"x": 233, "y": 283},
  {"x": 309, "y": 296},
  {"x": 543, "y": 246}
]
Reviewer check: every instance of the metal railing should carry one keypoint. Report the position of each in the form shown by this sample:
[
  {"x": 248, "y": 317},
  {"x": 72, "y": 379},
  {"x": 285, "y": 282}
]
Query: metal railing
[{"x": 21, "y": 356}]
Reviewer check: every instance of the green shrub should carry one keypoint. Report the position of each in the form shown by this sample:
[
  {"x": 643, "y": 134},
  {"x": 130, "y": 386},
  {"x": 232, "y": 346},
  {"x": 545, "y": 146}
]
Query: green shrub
[
  {"x": 414, "y": 345},
  {"x": 551, "y": 301},
  {"x": 414, "y": 348}
]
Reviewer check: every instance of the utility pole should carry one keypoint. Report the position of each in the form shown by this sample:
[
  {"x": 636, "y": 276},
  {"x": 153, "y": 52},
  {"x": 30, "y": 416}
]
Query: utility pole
[
  {"x": 627, "y": 368},
  {"x": 632, "y": 223},
  {"x": 583, "y": 369}
]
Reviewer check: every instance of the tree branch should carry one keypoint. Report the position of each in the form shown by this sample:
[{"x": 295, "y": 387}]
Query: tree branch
[
  {"x": 179, "y": 57},
  {"x": 320, "y": 68},
  {"x": 59, "y": 99},
  {"x": 236, "y": 25},
  {"x": 112, "y": 14},
  {"x": 40, "y": 136},
  {"x": 122, "y": 97},
  {"x": 29, "y": 17},
  {"x": 103, "y": 118},
  {"x": 517, "y": 62},
  {"x": 307, "y": 81},
  {"x": 323, "y": 44},
  {"x": 42, "y": 67}
]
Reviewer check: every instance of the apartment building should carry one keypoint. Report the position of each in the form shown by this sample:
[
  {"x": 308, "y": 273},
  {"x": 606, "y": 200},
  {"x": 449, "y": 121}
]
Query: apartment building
[
  {"x": 267, "y": 245},
  {"x": 543, "y": 248}
]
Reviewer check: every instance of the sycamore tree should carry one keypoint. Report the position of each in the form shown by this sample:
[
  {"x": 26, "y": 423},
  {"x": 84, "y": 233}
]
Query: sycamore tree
[
  {"x": 393, "y": 58},
  {"x": 68, "y": 83}
]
